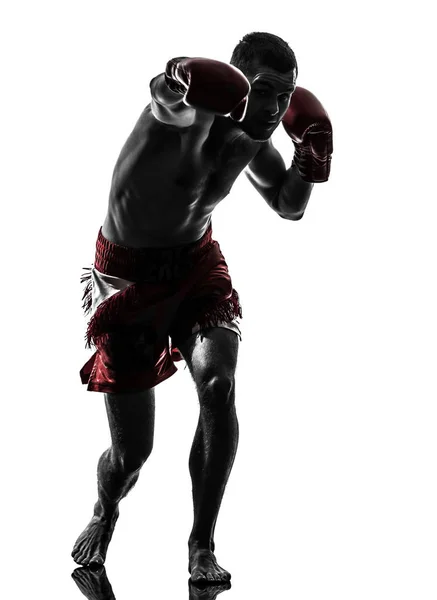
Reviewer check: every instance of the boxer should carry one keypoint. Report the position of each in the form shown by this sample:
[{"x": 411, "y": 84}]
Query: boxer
[{"x": 160, "y": 290}]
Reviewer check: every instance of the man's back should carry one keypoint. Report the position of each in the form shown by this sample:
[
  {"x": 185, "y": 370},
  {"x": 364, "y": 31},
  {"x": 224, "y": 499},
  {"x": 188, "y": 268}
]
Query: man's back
[{"x": 168, "y": 179}]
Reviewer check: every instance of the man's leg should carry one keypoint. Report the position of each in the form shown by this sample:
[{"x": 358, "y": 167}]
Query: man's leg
[
  {"x": 212, "y": 362},
  {"x": 131, "y": 419}
]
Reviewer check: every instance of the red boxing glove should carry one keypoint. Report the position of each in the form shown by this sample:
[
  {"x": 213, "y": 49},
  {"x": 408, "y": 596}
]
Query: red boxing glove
[
  {"x": 210, "y": 85},
  {"x": 308, "y": 125}
]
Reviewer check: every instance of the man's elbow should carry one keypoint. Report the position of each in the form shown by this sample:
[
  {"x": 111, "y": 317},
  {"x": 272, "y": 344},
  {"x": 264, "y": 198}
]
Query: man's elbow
[
  {"x": 292, "y": 216},
  {"x": 291, "y": 207}
]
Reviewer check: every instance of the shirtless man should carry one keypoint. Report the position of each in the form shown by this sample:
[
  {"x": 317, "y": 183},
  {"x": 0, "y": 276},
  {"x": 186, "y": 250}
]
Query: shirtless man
[{"x": 206, "y": 123}]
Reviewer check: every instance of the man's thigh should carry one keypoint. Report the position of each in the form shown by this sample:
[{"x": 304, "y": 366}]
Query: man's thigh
[{"x": 210, "y": 353}]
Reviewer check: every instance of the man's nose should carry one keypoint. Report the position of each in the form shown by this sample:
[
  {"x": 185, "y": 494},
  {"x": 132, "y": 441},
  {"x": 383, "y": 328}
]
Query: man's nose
[{"x": 272, "y": 108}]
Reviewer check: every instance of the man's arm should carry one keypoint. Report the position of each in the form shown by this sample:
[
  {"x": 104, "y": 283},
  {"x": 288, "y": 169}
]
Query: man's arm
[
  {"x": 288, "y": 191},
  {"x": 284, "y": 190}
]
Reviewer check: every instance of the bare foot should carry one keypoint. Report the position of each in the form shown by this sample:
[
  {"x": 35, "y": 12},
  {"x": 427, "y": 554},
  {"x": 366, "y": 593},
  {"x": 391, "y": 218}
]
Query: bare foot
[
  {"x": 204, "y": 568},
  {"x": 91, "y": 546}
]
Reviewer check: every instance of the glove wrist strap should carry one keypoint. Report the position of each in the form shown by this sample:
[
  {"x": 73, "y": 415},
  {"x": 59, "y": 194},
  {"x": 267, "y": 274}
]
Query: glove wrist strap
[{"x": 311, "y": 168}]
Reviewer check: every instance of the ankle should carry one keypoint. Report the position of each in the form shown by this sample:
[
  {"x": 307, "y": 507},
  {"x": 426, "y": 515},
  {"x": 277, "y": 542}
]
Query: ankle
[
  {"x": 200, "y": 543},
  {"x": 106, "y": 512}
]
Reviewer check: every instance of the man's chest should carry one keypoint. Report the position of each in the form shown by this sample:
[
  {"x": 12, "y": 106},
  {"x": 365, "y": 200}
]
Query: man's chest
[
  {"x": 194, "y": 163},
  {"x": 209, "y": 171}
]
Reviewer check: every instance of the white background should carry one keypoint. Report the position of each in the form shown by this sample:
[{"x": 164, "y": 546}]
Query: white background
[{"x": 333, "y": 492}]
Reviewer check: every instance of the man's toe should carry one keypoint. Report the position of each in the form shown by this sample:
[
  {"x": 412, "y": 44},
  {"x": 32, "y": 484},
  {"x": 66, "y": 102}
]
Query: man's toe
[
  {"x": 78, "y": 559},
  {"x": 97, "y": 559}
]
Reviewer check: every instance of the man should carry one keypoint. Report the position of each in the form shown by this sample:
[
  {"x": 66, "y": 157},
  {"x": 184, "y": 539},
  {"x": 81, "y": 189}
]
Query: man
[{"x": 159, "y": 273}]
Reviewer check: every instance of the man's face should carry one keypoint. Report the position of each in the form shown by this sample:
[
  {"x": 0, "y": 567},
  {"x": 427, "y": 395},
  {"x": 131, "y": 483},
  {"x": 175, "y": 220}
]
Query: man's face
[{"x": 269, "y": 99}]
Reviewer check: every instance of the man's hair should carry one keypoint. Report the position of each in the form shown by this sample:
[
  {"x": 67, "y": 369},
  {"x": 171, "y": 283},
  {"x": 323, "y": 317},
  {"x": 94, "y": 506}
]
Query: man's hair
[{"x": 266, "y": 48}]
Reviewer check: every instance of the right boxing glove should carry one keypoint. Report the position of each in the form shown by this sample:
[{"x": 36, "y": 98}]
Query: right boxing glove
[{"x": 210, "y": 85}]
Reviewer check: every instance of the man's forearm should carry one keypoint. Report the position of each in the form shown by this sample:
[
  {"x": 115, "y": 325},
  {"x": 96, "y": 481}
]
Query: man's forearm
[{"x": 294, "y": 195}]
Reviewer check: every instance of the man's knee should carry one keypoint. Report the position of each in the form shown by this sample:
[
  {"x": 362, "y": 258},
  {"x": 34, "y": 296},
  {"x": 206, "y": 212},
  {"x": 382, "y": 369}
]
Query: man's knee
[
  {"x": 217, "y": 390},
  {"x": 132, "y": 458}
]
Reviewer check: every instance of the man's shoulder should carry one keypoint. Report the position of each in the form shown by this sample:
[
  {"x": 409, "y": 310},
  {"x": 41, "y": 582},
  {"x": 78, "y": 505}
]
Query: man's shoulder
[{"x": 148, "y": 125}]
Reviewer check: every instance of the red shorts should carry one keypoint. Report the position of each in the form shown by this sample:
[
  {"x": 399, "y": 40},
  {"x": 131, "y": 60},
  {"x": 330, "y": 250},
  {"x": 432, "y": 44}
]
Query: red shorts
[{"x": 142, "y": 296}]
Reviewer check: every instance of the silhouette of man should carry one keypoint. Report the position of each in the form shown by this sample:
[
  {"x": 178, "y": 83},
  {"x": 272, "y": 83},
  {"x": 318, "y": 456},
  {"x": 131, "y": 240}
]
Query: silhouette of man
[{"x": 160, "y": 290}]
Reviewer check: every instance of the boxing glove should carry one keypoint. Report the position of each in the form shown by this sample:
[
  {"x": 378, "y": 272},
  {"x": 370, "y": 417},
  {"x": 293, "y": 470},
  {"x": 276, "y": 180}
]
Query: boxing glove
[
  {"x": 308, "y": 125},
  {"x": 209, "y": 84}
]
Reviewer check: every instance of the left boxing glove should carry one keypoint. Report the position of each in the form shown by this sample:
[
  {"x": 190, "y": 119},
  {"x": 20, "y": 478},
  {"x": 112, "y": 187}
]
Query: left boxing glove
[{"x": 308, "y": 125}]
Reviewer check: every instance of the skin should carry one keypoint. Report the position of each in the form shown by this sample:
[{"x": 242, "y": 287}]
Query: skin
[{"x": 178, "y": 163}]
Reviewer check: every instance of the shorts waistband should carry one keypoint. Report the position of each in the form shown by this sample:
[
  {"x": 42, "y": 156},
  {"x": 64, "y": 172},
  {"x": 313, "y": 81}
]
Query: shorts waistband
[{"x": 137, "y": 264}]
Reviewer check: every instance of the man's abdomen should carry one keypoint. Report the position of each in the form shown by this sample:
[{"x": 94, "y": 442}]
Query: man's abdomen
[{"x": 154, "y": 233}]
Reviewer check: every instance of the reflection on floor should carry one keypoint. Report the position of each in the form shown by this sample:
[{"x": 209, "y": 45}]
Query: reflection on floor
[{"x": 94, "y": 585}]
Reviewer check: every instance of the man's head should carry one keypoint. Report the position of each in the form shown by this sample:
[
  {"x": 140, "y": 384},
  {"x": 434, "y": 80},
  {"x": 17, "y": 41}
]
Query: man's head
[{"x": 270, "y": 66}]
